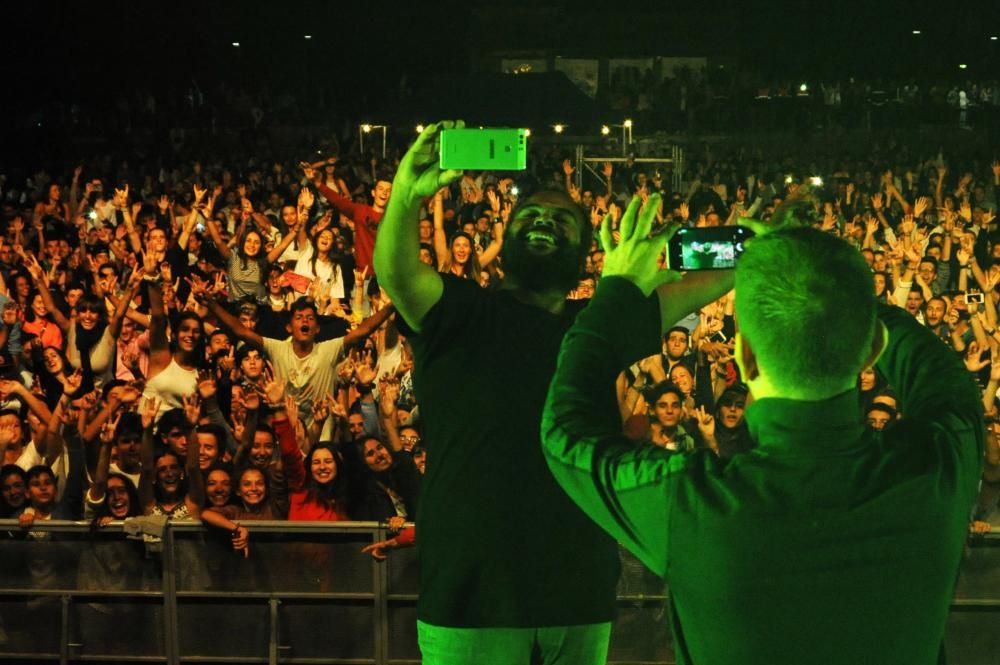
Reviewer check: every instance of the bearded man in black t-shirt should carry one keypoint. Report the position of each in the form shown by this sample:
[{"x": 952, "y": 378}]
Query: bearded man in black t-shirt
[{"x": 509, "y": 566}]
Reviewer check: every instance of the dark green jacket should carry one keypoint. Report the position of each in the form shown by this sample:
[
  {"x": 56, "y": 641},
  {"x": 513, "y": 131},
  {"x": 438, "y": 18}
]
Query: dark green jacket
[{"x": 826, "y": 543}]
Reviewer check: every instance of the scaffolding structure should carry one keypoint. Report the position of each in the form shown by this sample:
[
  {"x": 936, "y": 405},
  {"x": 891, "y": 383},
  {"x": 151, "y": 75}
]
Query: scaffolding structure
[{"x": 675, "y": 162}]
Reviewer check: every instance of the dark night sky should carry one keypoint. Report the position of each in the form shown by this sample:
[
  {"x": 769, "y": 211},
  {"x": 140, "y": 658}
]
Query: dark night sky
[{"x": 67, "y": 50}]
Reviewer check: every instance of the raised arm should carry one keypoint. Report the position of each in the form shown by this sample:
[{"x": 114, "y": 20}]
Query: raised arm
[
  {"x": 159, "y": 346},
  {"x": 368, "y": 326},
  {"x": 440, "y": 237},
  {"x": 225, "y": 318},
  {"x": 149, "y": 410},
  {"x": 96, "y": 492},
  {"x": 195, "y": 498},
  {"x": 213, "y": 231},
  {"x": 198, "y": 209},
  {"x": 413, "y": 286},
  {"x": 286, "y": 240},
  {"x": 120, "y": 202},
  {"x": 38, "y": 276},
  {"x": 621, "y": 487}
]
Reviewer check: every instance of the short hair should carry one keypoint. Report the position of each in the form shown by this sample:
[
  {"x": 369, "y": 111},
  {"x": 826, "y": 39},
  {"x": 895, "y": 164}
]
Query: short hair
[
  {"x": 301, "y": 304},
  {"x": 805, "y": 304},
  {"x": 884, "y": 408},
  {"x": 40, "y": 470},
  {"x": 661, "y": 389},
  {"x": 680, "y": 329},
  {"x": 171, "y": 419},
  {"x": 217, "y": 432}
]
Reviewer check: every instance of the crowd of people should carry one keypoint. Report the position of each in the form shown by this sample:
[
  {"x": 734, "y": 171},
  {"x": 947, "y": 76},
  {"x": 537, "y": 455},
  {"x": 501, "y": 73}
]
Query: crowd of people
[{"x": 212, "y": 343}]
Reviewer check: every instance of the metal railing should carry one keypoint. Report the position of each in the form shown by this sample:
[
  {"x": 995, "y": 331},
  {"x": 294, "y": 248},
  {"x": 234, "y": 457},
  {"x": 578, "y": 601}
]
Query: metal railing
[{"x": 305, "y": 594}]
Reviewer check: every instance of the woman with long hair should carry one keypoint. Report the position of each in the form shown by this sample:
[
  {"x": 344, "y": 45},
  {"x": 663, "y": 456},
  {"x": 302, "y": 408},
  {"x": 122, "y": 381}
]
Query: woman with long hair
[
  {"x": 173, "y": 363},
  {"x": 91, "y": 333},
  {"x": 52, "y": 205},
  {"x": 247, "y": 266},
  {"x": 37, "y": 320},
  {"x": 317, "y": 261},
  {"x": 459, "y": 256}
]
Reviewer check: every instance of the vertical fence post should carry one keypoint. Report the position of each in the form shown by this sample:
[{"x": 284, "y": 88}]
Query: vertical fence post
[
  {"x": 64, "y": 630},
  {"x": 272, "y": 649},
  {"x": 380, "y": 611},
  {"x": 171, "y": 646}
]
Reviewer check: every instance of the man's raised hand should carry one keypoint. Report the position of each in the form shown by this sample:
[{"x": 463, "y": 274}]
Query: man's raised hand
[
  {"x": 419, "y": 174},
  {"x": 636, "y": 255}
]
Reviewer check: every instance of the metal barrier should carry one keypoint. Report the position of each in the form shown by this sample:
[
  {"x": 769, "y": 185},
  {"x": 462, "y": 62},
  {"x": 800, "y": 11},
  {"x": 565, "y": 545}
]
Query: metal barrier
[{"x": 305, "y": 594}]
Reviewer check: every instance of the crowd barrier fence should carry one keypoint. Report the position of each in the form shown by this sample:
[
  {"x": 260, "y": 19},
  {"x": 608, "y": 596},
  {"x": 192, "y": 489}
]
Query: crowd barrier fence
[{"x": 305, "y": 594}]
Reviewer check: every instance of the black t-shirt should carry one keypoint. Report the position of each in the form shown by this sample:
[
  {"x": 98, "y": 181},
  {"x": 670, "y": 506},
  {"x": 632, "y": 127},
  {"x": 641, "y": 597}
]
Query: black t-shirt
[{"x": 501, "y": 545}]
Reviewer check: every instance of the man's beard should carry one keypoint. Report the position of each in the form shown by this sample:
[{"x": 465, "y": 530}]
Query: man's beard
[{"x": 558, "y": 271}]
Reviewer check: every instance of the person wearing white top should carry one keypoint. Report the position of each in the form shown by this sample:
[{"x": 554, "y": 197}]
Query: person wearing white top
[{"x": 316, "y": 263}]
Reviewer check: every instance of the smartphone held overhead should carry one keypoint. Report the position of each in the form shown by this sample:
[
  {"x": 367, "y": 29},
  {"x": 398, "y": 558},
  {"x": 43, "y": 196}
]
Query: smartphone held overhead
[{"x": 492, "y": 148}]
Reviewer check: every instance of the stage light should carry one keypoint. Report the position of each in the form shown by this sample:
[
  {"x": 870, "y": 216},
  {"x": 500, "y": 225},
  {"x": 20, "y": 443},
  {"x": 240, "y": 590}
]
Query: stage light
[
  {"x": 628, "y": 123},
  {"x": 236, "y": 44},
  {"x": 420, "y": 129},
  {"x": 558, "y": 129},
  {"x": 916, "y": 32},
  {"x": 366, "y": 128},
  {"x": 308, "y": 36},
  {"x": 803, "y": 88},
  {"x": 993, "y": 38},
  {"x": 605, "y": 130},
  {"x": 963, "y": 66},
  {"x": 527, "y": 132}
]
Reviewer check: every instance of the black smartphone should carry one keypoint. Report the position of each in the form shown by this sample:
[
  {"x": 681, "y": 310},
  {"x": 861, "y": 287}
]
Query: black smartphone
[{"x": 707, "y": 247}]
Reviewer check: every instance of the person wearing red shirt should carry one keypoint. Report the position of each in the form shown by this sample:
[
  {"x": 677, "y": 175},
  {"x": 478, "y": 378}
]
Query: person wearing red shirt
[
  {"x": 312, "y": 485},
  {"x": 364, "y": 218}
]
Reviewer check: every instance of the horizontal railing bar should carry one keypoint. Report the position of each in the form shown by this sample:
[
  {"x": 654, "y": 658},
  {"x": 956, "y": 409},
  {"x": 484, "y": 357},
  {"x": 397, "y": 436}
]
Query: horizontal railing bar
[
  {"x": 267, "y": 595},
  {"x": 80, "y": 593}
]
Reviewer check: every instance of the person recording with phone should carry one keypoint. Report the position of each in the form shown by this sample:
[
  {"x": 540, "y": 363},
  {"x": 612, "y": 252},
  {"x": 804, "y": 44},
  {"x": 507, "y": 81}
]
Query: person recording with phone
[
  {"x": 792, "y": 534},
  {"x": 534, "y": 574}
]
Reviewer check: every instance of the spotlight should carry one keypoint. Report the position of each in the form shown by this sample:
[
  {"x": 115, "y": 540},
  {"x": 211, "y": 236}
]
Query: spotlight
[
  {"x": 420, "y": 129},
  {"x": 605, "y": 130},
  {"x": 308, "y": 36},
  {"x": 236, "y": 44},
  {"x": 916, "y": 32},
  {"x": 628, "y": 123},
  {"x": 558, "y": 129},
  {"x": 963, "y": 66},
  {"x": 993, "y": 38},
  {"x": 803, "y": 88},
  {"x": 527, "y": 132},
  {"x": 366, "y": 128}
]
